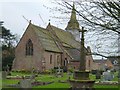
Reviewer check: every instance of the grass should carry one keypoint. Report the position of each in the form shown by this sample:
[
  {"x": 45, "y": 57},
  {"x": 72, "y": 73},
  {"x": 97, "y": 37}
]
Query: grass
[
  {"x": 56, "y": 84},
  {"x": 105, "y": 86}
]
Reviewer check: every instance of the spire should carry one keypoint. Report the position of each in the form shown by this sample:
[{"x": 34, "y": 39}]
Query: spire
[{"x": 73, "y": 23}]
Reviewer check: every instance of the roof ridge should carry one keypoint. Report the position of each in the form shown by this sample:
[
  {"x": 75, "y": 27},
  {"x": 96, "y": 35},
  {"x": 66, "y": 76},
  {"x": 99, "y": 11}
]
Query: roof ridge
[{"x": 38, "y": 26}]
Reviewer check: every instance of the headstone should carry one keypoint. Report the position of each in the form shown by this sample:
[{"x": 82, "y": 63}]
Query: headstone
[
  {"x": 107, "y": 76},
  {"x": 33, "y": 71},
  {"x": 32, "y": 74},
  {"x": 38, "y": 72},
  {"x": 119, "y": 74},
  {"x": 8, "y": 70},
  {"x": 32, "y": 77},
  {"x": 4, "y": 74},
  {"x": 98, "y": 75},
  {"x": 69, "y": 74},
  {"x": 59, "y": 72},
  {"x": 25, "y": 83}
]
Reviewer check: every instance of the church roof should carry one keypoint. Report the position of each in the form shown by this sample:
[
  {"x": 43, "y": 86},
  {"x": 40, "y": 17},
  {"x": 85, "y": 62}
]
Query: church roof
[
  {"x": 45, "y": 38},
  {"x": 75, "y": 53},
  {"x": 71, "y": 46},
  {"x": 65, "y": 37}
]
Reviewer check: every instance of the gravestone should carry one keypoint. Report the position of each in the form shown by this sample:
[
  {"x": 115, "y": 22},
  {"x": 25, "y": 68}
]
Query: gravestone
[
  {"x": 119, "y": 74},
  {"x": 4, "y": 74},
  {"x": 69, "y": 74},
  {"x": 59, "y": 72},
  {"x": 25, "y": 83},
  {"x": 32, "y": 77},
  {"x": 98, "y": 75},
  {"x": 107, "y": 76},
  {"x": 8, "y": 70}
]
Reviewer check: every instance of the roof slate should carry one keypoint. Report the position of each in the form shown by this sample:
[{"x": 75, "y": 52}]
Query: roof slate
[
  {"x": 66, "y": 38},
  {"x": 45, "y": 38},
  {"x": 75, "y": 53},
  {"x": 68, "y": 41}
]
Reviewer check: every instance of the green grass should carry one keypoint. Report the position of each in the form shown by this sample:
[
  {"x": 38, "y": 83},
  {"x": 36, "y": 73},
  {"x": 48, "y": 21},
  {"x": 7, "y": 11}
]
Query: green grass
[
  {"x": 19, "y": 73},
  {"x": 56, "y": 84},
  {"x": 105, "y": 86},
  {"x": 46, "y": 78}
]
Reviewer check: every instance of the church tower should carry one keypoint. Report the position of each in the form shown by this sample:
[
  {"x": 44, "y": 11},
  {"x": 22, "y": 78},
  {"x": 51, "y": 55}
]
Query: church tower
[{"x": 73, "y": 25}]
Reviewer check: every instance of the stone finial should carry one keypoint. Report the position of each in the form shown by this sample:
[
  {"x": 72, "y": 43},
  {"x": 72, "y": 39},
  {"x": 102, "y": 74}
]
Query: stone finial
[{"x": 30, "y": 22}]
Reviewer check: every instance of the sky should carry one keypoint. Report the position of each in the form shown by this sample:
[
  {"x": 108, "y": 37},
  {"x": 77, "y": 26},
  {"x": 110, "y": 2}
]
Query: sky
[{"x": 14, "y": 14}]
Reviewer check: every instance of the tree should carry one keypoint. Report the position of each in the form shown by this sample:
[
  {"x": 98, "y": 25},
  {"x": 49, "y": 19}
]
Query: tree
[
  {"x": 8, "y": 46},
  {"x": 101, "y": 19}
]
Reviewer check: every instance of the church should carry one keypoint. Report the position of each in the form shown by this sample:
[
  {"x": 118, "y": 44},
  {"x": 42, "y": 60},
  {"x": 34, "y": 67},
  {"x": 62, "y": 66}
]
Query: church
[{"x": 50, "y": 47}]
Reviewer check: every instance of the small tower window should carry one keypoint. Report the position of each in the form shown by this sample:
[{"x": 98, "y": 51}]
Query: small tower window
[{"x": 29, "y": 47}]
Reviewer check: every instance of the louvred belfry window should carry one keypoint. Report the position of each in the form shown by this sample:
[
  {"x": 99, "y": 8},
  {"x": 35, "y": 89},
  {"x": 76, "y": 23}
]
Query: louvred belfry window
[{"x": 29, "y": 48}]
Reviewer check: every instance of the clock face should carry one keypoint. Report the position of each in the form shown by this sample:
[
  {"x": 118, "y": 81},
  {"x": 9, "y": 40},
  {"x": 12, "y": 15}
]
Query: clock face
[{"x": 115, "y": 62}]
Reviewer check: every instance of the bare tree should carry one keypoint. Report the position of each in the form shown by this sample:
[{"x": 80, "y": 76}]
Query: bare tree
[{"x": 101, "y": 19}]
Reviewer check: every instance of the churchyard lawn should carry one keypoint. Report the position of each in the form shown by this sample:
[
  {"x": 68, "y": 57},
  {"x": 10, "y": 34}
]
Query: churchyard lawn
[{"x": 58, "y": 82}]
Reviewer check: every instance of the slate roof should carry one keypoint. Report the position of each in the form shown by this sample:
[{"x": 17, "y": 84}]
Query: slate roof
[
  {"x": 45, "y": 38},
  {"x": 69, "y": 43},
  {"x": 75, "y": 53},
  {"x": 66, "y": 38}
]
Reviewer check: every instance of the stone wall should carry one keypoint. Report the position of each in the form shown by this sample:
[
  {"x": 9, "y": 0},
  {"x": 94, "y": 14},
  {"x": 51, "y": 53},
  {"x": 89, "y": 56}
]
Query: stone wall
[
  {"x": 56, "y": 59},
  {"x": 22, "y": 61}
]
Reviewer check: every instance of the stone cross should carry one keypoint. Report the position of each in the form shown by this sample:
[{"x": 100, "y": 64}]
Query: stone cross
[
  {"x": 59, "y": 71},
  {"x": 82, "y": 54}
]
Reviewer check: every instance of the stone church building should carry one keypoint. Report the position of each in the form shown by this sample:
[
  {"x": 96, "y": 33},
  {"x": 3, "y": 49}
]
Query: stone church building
[{"x": 50, "y": 47}]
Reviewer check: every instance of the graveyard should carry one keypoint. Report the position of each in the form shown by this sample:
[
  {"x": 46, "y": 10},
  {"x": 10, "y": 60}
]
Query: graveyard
[
  {"x": 50, "y": 80},
  {"x": 55, "y": 58}
]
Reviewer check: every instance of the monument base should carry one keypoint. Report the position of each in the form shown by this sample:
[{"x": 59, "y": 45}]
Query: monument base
[
  {"x": 81, "y": 80},
  {"x": 82, "y": 83},
  {"x": 81, "y": 75}
]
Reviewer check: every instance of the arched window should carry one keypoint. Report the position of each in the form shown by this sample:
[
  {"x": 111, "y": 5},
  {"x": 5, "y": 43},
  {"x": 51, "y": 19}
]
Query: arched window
[
  {"x": 65, "y": 62},
  {"x": 29, "y": 47},
  {"x": 50, "y": 59},
  {"x": 58, "y": 62}
]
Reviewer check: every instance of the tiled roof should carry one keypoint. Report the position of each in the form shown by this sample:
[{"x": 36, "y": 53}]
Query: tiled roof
[
  {"x": 75, "y": 53},
  {"x": 46, "y": 39},
  {"x": 66, "y": 38},
  {"x": 69, "y": 43}
]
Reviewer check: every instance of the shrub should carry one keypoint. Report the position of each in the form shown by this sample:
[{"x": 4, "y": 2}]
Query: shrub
[
  {"x": 53, "y": 70},
  {"x": 47, "y": 72},
  {"x": 71, "y": 70}
]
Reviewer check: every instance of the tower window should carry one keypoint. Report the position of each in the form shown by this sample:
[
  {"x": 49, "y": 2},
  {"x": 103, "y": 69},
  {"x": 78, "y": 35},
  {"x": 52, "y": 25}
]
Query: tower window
[{"x": 29, "y": 48}]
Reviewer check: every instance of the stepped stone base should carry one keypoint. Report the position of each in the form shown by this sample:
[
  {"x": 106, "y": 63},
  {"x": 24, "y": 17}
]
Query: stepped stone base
[{"x": 81, "y": 80}]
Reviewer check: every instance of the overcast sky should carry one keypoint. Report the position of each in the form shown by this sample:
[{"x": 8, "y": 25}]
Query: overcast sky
[{"x": 12, "y": 14}]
